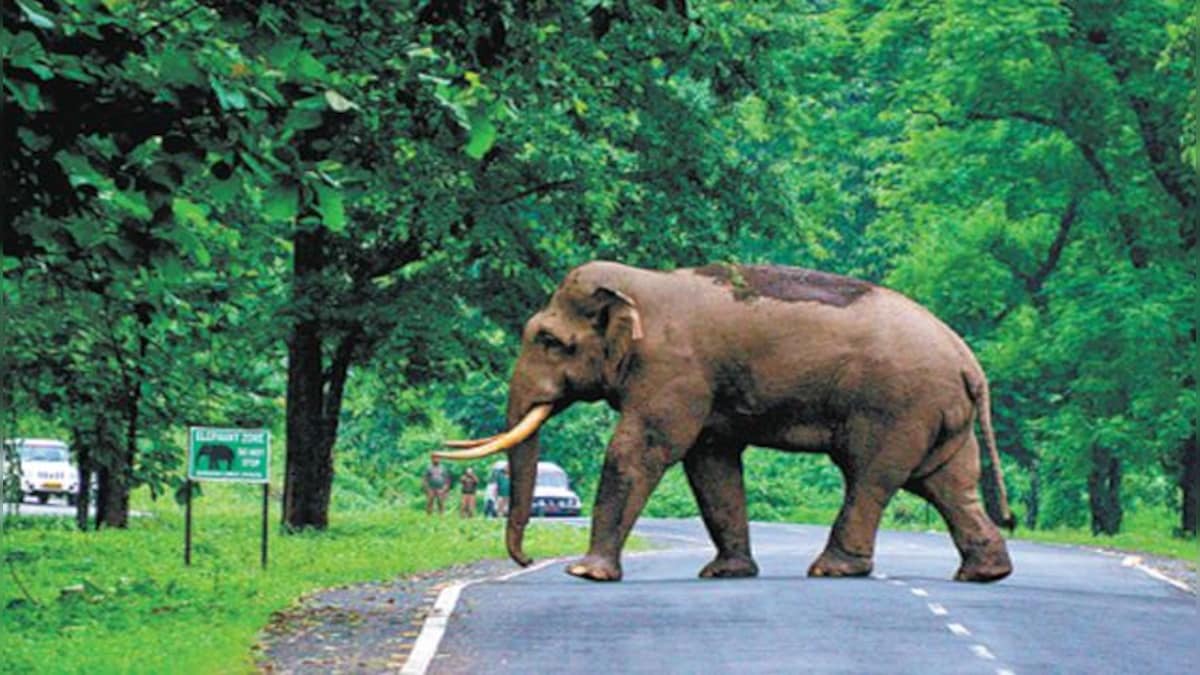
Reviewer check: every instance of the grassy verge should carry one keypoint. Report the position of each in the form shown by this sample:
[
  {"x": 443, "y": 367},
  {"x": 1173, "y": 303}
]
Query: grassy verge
[
  {"x": 122, "y": 601},
  {"x": 1143, "y": 532}
]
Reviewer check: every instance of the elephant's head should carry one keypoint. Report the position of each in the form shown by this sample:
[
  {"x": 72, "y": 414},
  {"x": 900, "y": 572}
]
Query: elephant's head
[{"x": 579, "y": 348}]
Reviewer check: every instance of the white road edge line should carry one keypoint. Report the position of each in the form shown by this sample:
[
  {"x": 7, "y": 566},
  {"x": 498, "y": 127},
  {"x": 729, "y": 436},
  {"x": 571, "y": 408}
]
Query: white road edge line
[
  {"x": 983, "y": 652},
  {"x": 937, "y": 609},
  {"x": 919, "y": 592},
  {"x": 1004, "y": 671},
  {"x": 434, "y": 628},
  {"x": 1136, "y": 562},
  {"x": 958, "y": 629},
  {"x": 1162, "y": 577}
]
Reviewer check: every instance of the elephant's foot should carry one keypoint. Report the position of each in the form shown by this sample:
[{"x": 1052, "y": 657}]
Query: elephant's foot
[
  {"x": 595, "y": 568},
  {"x": 987, "y": 565},
  {"x": 730, "y": 567},
  {"x": 835, "y": 563}
]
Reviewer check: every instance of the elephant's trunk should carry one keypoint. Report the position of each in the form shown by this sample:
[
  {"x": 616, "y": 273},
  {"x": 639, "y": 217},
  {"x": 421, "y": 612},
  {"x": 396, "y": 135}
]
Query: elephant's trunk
[{"x": 522, "y": 466}]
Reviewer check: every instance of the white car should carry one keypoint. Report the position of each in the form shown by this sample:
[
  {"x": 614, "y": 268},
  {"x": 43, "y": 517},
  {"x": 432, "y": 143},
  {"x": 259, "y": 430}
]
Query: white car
[
  {"x": 552, "y": 493},
  {"x": 46, "y": 469}
]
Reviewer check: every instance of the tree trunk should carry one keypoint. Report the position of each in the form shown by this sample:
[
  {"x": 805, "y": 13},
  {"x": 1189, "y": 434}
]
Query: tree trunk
[
  {"x": 1189, "y": 485},
  {"x": 113, "y": 501},
  {"x": 116, "y": 462},
  {"x": 1104, "y": 492},
  {"x": 112, "y": 498},
  {"x": 83, "y": 499},
  {"x": 112, "y": 508},
  {"x": 309, "y": 479},
  {"x": 83, "y": 458},
  {"x": 309, "y": 468}
]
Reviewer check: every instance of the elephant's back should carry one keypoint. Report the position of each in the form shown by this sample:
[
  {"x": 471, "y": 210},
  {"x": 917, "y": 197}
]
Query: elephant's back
[
  {"x": 752, "y": 283},
  {"x": 793, "y": 323}
]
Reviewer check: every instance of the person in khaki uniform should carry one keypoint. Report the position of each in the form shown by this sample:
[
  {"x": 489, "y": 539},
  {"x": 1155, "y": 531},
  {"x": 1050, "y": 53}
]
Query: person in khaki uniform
[
  {"x": 469, "y": 484},
  {"x": 437, "y": 485}
]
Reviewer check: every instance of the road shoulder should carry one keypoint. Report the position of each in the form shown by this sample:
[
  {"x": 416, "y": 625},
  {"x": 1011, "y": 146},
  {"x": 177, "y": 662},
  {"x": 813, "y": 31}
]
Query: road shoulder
[
  {"x": 362, "y": 628},
  {"x": 1179, "y": 573}
]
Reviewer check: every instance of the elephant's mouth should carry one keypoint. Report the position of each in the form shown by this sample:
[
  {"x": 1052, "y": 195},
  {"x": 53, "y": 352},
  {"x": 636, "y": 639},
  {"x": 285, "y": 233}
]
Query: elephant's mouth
[{"x": 482, "y": 447}]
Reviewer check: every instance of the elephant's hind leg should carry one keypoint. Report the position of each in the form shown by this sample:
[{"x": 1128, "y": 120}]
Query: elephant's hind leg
[
  {"x": 878, "y": 460},
  {"x": 952, "y": 491},
  {"x": 714, "y": 470}
]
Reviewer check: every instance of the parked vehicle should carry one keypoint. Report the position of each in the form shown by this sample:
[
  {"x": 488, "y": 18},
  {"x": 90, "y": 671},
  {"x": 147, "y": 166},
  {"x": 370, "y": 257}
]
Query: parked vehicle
[
  {"x": 552, "y": 494},
  {"x": 45, "y": 469}
]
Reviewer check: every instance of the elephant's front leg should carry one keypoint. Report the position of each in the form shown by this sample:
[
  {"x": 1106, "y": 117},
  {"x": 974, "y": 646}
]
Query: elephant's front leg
[
  {"x": 714, "y": 470},
  {"x": 637, "y": 457}
]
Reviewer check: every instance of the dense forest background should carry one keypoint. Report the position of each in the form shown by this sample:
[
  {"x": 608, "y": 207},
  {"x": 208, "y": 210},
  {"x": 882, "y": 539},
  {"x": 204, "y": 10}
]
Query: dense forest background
[{"x": 332, "y": 217}]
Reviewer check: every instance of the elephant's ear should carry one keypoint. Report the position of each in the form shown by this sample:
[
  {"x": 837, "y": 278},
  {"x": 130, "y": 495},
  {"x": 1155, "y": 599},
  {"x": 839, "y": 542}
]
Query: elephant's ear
[{"x": 621, "y": 324}]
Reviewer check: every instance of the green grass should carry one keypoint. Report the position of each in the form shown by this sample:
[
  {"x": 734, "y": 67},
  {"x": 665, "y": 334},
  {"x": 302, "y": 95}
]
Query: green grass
[
  {"x": 1147, "y": 531},
  {"x": 122, "y": 601}
]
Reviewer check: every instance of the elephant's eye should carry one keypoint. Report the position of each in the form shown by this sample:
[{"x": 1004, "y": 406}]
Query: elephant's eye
[{"x": 549, "y": 341}]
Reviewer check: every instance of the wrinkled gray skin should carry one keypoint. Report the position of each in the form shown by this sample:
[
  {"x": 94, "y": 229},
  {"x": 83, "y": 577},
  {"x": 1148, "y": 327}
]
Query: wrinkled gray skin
[{"x": 701, "y": 363}]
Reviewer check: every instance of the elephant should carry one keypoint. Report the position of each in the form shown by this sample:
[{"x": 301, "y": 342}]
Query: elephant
[
  {"x": 702, "y": 362},
  {"x": 216, "y": 455}
]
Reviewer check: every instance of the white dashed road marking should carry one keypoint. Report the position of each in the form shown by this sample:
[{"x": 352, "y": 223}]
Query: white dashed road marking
[
  {"x": 979, "y": 650},
  {"x": 983, "y": 652},
  {"x": 958, "y": 629}
]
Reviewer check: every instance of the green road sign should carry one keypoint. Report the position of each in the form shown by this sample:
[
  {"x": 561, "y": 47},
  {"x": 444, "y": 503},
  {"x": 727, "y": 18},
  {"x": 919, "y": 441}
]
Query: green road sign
[{"x": 237, "y": 455}]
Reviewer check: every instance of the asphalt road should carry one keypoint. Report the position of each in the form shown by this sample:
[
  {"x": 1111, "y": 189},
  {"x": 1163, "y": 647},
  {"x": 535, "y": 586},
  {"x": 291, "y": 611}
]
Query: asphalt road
[{"x": 1064, "y": 610}]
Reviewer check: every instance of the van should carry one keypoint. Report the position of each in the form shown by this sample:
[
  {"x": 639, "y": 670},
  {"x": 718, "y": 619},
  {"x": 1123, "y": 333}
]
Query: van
[
  {"x": 45, "y": 469},
  {"x": 552, "y": 494}
]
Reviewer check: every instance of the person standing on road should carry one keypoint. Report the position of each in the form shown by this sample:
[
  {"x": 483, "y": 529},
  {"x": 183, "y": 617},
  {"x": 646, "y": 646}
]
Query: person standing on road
[
  {"x": 436, "y": 483},
  {"x": 503, "y": 487},
  {"x": 469, "y": 484}
]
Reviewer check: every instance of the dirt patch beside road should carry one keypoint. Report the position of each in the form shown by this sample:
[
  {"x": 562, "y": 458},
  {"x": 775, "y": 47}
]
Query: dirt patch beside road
[{"x": 362, "y": 628}]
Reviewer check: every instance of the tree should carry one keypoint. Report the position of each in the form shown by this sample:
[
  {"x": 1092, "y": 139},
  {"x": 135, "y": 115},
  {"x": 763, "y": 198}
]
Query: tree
[
  {"x": 1047, "y": 140},
  {"x": 114, "y": 142},
  {"x": 502, "y": 169}
]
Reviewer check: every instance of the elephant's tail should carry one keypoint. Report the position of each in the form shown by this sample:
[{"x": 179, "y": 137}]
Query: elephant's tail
[{"x": 977, "y": 387}]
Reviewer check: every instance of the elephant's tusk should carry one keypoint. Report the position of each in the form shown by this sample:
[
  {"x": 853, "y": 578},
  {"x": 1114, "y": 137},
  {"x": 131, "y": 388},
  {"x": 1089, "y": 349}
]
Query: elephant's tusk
[
  {"x": 471, "y": 443},
  {"x": 523, "y": 429}
]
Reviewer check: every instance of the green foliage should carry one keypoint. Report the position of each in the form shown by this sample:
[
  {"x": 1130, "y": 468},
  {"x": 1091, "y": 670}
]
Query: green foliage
[
  {"x": 1058, "y": 221},
  {"x": 198, "y": 192},
  {"x": 197, "y": 182}
]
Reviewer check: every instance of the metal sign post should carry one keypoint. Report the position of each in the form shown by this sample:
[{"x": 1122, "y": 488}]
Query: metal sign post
[
  {"x": 231, "y": 456},
  {"x": 187, "y": 524},
  {"x": 266, "y": 503}
]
